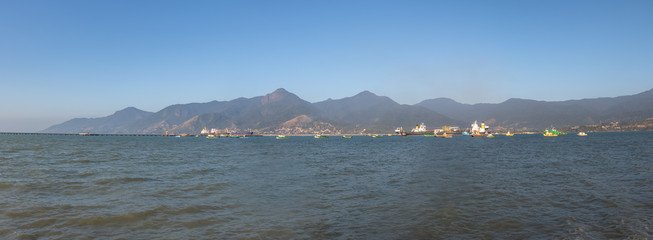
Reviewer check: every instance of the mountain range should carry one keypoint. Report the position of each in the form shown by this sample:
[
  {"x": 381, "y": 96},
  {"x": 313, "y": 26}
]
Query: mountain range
[{"x": 366, "y": 112}]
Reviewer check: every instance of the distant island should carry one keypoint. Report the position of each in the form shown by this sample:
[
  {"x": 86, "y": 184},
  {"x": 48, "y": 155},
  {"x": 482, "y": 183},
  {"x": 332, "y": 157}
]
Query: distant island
[{"x": 282, "y": 112}]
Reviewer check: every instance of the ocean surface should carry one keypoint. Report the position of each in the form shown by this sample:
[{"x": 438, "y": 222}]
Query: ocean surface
[{"x": 521, "y": 187}]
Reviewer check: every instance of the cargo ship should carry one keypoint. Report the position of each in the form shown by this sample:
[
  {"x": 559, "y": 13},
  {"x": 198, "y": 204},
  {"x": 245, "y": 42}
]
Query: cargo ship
[
  {"x": 219, "y": 133},
  {"x": 479, "y": 131},
  {"x": 418, "y": 130}
]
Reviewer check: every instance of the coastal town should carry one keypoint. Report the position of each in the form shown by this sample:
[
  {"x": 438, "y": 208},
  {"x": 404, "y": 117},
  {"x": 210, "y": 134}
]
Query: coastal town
[{"x": 474, "y": 130}]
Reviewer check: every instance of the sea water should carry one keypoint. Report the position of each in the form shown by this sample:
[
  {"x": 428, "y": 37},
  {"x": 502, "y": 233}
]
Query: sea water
[{"x": 521, "y": 187}]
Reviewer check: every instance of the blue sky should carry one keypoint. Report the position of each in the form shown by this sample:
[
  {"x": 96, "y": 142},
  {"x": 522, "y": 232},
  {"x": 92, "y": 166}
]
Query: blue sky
[{"x": 65, "y": 59}]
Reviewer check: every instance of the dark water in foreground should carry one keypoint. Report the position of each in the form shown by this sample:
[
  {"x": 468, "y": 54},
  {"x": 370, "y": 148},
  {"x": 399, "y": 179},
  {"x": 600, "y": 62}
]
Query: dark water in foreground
[{"x": 521, "y": 187}]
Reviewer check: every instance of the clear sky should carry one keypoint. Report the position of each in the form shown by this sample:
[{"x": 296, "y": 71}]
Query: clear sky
[{"x": 65, "y": 59}]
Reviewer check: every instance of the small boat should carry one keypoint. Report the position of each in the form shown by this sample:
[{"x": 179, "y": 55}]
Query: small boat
[
  {"x": 211, "y": 136},
  {"x": 548, "y": 133},
  {"x": 490, "y": 135},
  {"x": 582, "y": 134},
  {"x": 346, "y": 136},
  {"x": 429, "y": 135},
  {"x": 320, "y": 136},
  {"x": 282, "y": 137},
  {"x": 444, "y": 135},
  {"x": 377, "y": 136},
  {"x": 509, "y": 134},
  {"x": 552, "y": 133}
]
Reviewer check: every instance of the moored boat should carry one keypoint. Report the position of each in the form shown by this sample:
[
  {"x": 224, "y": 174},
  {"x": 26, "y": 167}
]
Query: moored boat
[
  {"x": 548, "y": 133},
  {"x": 320, "y": 136},
  {"x": 582, "y": 134},
  {"x": 479, "y": 131},
  {"x": 346, "y": 136},
  {"x": 282, "y": 137},
  {"x": 552, "y": 133},
  {"x": 444, "y": 135},
  {"x": 418, "y": 130},
  {"x": 509, "y": 134},
  {"x": 242, "y": 134}
]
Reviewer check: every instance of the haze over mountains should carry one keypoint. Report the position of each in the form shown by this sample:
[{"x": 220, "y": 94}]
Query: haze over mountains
[{"x": 284, "y": 112}]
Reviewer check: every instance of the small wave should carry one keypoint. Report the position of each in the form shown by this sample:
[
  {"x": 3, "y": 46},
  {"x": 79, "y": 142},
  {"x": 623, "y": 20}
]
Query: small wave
[
  {"x": 6, "y": 186},
  {"x": 119, "y": 220},
  {"x": 196, "y": 209},
  {"x": 122, "y": 180},
  {"x": 41, "y": 223},
  {"x": 635, "y": 228},
  {"x": 18, "y": 214}
]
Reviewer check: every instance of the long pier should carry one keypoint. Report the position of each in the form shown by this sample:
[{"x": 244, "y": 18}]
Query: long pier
[{"x": 88, "y": 134}]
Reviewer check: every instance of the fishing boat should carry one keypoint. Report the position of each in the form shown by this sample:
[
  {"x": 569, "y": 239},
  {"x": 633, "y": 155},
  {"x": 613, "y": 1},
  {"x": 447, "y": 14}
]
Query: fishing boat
[
  {"x": 320, "y": 136},
  {"x": 582, "y": 134},
  {"x": 282, "y": 137},
  {"x": 242, "y": 134},
  {"x": 549, "y": 133},
  {"x": 552, "y": 132}
]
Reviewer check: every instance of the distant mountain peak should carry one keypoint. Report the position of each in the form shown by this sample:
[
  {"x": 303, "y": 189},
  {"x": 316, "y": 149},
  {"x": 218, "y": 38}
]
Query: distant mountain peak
[
  {"x": 277, "y": 96},
  {"x": 280, "y": 91},
  {"x": 366, "y": 94},
  {"x": 129, "y": 109},
  {"x": 444, "y": 100}
]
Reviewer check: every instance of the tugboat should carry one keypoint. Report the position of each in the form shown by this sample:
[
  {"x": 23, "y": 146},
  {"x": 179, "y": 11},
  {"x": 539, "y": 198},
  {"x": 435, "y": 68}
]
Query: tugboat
[{"x": 400, "y": 131}]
